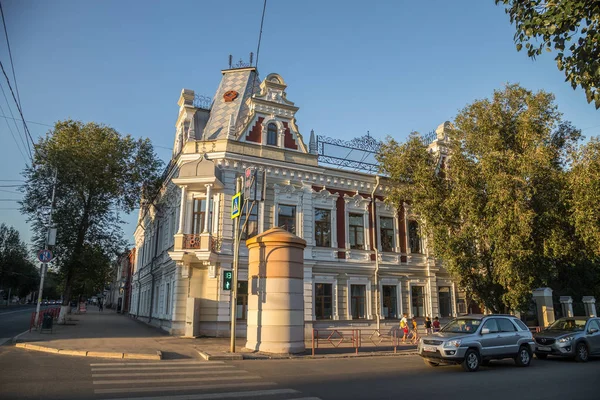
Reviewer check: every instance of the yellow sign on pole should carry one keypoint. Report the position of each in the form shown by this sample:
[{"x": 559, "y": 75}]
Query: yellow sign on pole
[{"x": 236, "y": 205}]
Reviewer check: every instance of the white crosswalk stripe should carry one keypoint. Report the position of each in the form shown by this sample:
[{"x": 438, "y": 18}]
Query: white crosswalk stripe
[{"x": 195, "y": 380}]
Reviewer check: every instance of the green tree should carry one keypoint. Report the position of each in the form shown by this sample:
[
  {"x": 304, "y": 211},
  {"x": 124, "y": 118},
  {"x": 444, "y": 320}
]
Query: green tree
[
  {"x": 496, "y": 216},
  {"x": 17, "y": 272},
  {"x": 571, "y": 27},
  {"x": 99, "y": 172},
  {"x": 584, "y": 182}
]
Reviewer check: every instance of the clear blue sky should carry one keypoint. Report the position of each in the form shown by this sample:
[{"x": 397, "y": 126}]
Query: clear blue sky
[{"x": 388, "y": 67}]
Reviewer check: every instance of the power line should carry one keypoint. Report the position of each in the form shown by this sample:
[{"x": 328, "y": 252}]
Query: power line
[
  {"x": 10, "y": 55},
  {"x": 18, "y": 106},
  {"x": 13, "y": 134},
  {"x": 14, "y": 120},
  {"x": 31, "y": 122},
  {"x": 12, "y": 180}
]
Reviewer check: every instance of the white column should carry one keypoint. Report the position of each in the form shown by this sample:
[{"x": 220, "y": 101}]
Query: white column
[
  {"x": 182, "y": 209},
  {"x": 207, "y": 209}
]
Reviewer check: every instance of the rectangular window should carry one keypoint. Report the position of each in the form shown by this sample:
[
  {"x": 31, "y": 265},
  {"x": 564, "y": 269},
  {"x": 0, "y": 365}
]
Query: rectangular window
[
  {"x": 242, "y": 300},
  {"x": 167, "y": 298},
  {"x": 386, "y": 231},
  {"x": 356, "y": 231},
  {"x": 199, "y": 216},
  {"x": 418, "y": 301},
  {"x": 414, "y": 240},
  {"x": 322, "y": 227},
  {"x": 251, "y": 229},
  {"x": 323, "y": 300},
  {"x": 357, "y": 301},
  {"x": 287, "y": 218},
  {"x": 389, "y": 302}
]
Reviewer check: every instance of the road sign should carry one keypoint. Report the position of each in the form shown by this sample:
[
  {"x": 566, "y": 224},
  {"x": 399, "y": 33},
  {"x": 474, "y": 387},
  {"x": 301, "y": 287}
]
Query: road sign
[
  {"x": 236, "y": 205},
  {"x": 227, "y": 279},
  {"x": 45, "y": 256}
]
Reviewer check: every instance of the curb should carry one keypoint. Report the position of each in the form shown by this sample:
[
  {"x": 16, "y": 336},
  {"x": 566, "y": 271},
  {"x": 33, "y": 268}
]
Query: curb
[
  {"x": 262, "y": 356},
  {"x": 220, "y": 357},
  {"x": 84, "y": 353}
]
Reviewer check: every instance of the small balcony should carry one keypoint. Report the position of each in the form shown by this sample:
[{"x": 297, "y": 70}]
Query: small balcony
[{"x": 200, "y": 242}]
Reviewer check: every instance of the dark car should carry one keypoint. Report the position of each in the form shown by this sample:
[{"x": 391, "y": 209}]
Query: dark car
[{"x": 574, "y": 337}]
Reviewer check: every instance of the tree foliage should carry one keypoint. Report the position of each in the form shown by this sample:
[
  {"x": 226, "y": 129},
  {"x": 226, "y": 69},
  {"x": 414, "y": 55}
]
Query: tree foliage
[
  {"x": 99, "y": 173},
  {"x": 497, "y": 216},
  {"x": 571, "y": 27},
  {"x": 17, "y": 272},
  {"x": 584, "y": 181}
]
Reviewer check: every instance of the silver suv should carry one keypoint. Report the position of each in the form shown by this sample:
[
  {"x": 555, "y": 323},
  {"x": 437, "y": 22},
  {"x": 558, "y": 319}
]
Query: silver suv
[
  {"x": 474, "y": 340},
  {"x": 577, "y": 337}
]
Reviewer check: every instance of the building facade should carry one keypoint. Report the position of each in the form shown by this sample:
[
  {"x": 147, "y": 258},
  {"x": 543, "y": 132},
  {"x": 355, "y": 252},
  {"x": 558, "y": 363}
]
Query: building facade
[{"x": 364, "y": 264}]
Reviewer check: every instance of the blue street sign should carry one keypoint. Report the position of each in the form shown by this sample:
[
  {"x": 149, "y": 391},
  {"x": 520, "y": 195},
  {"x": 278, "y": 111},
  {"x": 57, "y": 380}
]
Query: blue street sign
[
  {"x": 45, "y": 256},
  {"x": 236, "y": 205}
]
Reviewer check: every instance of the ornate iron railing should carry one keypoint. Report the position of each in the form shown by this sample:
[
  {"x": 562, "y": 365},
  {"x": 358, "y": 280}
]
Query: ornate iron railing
[
  {"x": 358, "y": 153},
  {"x": 203, "y": 102},
  {"x": 191, "y": 241}
]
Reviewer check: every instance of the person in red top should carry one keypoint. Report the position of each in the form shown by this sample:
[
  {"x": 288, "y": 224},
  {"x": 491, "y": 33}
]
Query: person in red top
[{"x": 436, "y": 324}]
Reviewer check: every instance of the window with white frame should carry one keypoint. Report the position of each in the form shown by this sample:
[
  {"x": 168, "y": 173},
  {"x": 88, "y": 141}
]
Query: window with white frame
[
  {"x": 387, "y": 234},
  {"x": 325, "y": 218},
  {"x": 358, "y": 301},
  {"x": 322, "y": 227},
  {"x": 356, "y": 221},
  {"x": 356, "y": 231},
  {"x": 323, "y": 300},
  {"x": 390, "y": 301},
  {"x": 286, "y": 217},
  {"x": 272, "y": 134},
  {"x": 414, "y": 238}
]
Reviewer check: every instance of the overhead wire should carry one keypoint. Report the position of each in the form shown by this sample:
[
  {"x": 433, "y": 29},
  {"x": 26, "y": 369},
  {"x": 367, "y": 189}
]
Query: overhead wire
[
  {"x": 13, "y": 135},
  {"x": 18, "y": 107}
]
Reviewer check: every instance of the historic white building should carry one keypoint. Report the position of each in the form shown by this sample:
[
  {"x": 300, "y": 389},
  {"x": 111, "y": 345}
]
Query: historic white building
[{"x": 364, "y": 260}]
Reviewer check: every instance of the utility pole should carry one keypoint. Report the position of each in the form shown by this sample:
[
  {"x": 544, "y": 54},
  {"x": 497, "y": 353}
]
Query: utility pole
[
  {"x": 236, "y": 253},
  {"x": 44, "y": 265}
]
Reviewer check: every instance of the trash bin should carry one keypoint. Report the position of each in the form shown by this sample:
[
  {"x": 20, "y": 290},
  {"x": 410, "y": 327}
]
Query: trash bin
[{"x": 47, "y": 322}]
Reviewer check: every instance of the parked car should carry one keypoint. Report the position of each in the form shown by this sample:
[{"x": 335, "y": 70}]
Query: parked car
[
  {"x": 575, "y": 337},
  {"x": 474, "y": 340}
]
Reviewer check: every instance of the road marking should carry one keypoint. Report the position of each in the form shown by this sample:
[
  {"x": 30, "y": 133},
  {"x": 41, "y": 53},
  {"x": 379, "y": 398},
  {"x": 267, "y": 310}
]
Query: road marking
[
  {"x": 157, "y": 363},
  {"x": 182, "y": 368},
  {"x": 215, "y": 396},
  {"x": 123, "y": 381},
  {"x": 205, "y": 379},
  {"x": 180, "y": 388}
]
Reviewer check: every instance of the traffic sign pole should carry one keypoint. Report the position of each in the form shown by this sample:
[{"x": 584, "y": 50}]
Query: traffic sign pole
[
  {"x": 45, "y": 259},
  {"x": 236, "y": 253}
]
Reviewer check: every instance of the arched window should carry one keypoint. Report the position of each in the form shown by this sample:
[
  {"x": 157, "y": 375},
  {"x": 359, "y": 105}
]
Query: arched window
[{"x": 272, "y": 134}]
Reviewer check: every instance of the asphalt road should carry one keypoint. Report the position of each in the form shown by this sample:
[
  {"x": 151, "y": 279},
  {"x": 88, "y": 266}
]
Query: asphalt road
[
  {"x": 50, "y": 376},
  {"x": 14, "y": 320}
]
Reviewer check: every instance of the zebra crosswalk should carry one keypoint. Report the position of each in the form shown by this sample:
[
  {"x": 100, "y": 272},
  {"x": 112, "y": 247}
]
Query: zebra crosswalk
[{"x": 183, "y": 380}]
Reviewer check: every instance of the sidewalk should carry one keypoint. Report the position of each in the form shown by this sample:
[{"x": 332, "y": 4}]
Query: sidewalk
[{"x": 112, "y": 335}]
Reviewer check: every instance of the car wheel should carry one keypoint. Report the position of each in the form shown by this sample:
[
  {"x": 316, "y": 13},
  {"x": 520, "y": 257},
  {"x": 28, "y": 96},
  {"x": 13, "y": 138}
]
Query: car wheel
[
  {"x": 472, "y": 361},
  {"x": 523, "y": 358},
  {"x": 431, "y": 363},
  {"x": 581, "y": 352},
  {"x": 541, "y": 356}
]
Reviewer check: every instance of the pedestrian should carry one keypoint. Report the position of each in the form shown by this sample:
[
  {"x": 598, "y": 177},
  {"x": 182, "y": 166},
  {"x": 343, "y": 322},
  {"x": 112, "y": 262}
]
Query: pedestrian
[
  {"x": 100, "y": 306},
  {"x": 436, "y": 324},
  {"x": 404, "y": 327},
  {"x": 428, "y": 325},
  {"x": 415, "y": 333}
]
